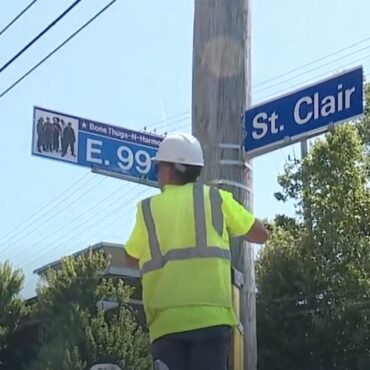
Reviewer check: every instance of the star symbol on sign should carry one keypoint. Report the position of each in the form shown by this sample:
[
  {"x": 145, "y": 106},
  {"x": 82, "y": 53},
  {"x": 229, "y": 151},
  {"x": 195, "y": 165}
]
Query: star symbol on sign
[{"x": 84, "y": 124}]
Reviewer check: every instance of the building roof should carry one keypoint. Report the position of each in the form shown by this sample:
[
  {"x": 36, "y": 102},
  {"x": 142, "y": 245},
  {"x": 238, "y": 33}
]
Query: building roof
[{"x": 97, "y": 246}]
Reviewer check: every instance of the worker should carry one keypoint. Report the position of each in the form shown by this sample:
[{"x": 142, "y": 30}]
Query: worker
[{"x": 180, "y": 242}]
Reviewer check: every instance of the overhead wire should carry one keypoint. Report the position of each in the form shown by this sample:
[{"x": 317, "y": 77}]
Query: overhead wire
[
  {"x": 123, "y": 218},
  {"x": 74, "y": 34},
  {"x": 127, "y": 215},
  {"x": 180, "y": 128},
  {"x": 312, "y": 79},
  {"x": 169, "y": 125},
  {"x": 312, "y": 62},
  {"x": 80, "y": 215},
  {"x": 50, "y": 217},
  {"x": 42, "y": 33},
  {"x": 313, "y": 69},
  {"x": 170, "y": 118},
  {"x": 88, "y": 227},
  {"x": 256, "y": 85},
  {"x": 36, "y": 216},
  {"x": 19, "y": 15}
]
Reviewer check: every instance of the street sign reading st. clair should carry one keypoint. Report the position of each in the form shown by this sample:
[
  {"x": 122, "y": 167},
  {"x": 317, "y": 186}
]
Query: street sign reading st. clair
[{"x": 304, "y": 113}]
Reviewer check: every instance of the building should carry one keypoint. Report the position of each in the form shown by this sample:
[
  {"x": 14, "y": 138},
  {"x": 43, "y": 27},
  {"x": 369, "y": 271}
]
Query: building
[
  {"x": 118, "y": 265},
  {"x": 118, "y": 269}
]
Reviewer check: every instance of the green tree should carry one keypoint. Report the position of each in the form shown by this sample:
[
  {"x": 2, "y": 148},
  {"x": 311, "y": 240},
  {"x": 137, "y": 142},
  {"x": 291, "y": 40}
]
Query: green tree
[
  {"x": 12, "y": 310},
  {"x": 81, "y": 334},
  {"x": 314, "y": 275},
  {"x": 282, "y": 284}
]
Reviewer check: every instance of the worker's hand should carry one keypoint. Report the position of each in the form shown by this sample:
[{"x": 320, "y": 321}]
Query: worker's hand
[{"x": 258, "y": 233}]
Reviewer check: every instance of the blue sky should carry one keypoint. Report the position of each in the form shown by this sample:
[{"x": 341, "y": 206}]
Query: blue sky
[{"x": 131, "y": 68}]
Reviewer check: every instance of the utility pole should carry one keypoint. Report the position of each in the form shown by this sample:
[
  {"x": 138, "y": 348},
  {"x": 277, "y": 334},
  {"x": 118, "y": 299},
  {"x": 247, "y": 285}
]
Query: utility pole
[{"x": 221, "y": 94}]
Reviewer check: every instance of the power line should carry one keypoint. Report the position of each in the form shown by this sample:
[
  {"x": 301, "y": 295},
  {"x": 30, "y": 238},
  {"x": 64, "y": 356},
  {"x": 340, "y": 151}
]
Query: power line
[
  {"x": 19, "y": 228},
  {"x": 292, "y": 71},
  {"x": 48, "y": 28},
  {"x": 180, "y": 127},
  {"x": 106, "y": 208},
  {"x": 167, "y": 126},
  {"x": 367, "y": 56},
  {"x": 57, "y": 48},
  {"x": 18, "y": 16},
  {"x": 286, "y": 74},
  {"x": 88, "y": 227},
  {"x": 118, "y": 219},
  {"x": 49, "y": 218},
  {"x": 168, "y": 118},
  {"x": 79, "y": 216},
  {"x": 313, "y": 62},
  {"x": 313, "y": 69},
  {"x": 121, "y": 226}
]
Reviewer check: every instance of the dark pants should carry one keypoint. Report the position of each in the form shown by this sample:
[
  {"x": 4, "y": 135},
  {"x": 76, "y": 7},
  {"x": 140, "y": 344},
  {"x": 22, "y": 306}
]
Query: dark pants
[
  {"x": 203, "y": 349},
  {"x": 40, "y": 145},
  {"x": 56, "y": 142},
  {"x": 71, "y": 146}
]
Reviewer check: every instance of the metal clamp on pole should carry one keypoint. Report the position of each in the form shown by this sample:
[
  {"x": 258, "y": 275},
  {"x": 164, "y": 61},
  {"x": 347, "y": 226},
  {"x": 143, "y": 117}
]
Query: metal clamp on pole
[
  {"x": 231, "y": 146},
  {"x": 231, "y": 183},
  {"x": 233, "y": 162},
  {"x": 237, "y": 277}
]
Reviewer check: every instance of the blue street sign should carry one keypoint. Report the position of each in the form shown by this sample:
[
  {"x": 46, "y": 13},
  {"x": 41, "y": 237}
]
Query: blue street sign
[
  {"x": 80, "y": 141},
  {"x": 304, "y": 113}
]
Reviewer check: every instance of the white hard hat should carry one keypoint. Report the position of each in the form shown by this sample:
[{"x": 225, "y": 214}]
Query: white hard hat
[{"x": 182, "y": 149}]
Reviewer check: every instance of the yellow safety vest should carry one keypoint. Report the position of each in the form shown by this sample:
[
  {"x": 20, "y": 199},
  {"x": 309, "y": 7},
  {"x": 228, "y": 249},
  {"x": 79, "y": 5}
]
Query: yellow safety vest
[
  {"x": 181, "y": 239},
  {"x": 194, "y": 274}
]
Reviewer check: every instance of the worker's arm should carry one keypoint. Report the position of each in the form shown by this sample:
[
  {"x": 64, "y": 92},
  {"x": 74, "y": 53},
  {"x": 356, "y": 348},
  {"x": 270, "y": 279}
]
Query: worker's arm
[
  {"x": 240, "y": 222},
  {"x": 136, "y": 241},
  {"x": 258, "y": 232}
]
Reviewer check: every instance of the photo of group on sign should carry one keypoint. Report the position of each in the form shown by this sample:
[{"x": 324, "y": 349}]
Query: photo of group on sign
[{"x": 55, "y": 135}]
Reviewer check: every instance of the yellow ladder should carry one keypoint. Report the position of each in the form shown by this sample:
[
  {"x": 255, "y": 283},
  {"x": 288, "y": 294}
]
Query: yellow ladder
[{"x": 237, "y": 351}]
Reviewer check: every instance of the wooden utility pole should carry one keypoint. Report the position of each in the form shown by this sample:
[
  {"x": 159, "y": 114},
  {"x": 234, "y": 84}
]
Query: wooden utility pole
[{"x": 221, "y": 94}]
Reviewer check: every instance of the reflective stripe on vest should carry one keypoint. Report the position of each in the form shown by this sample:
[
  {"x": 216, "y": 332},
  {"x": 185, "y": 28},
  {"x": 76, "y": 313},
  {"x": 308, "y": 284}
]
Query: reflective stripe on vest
[
  {"x": 216, "y": 209},
  {"x": 200, "y": 250}
]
